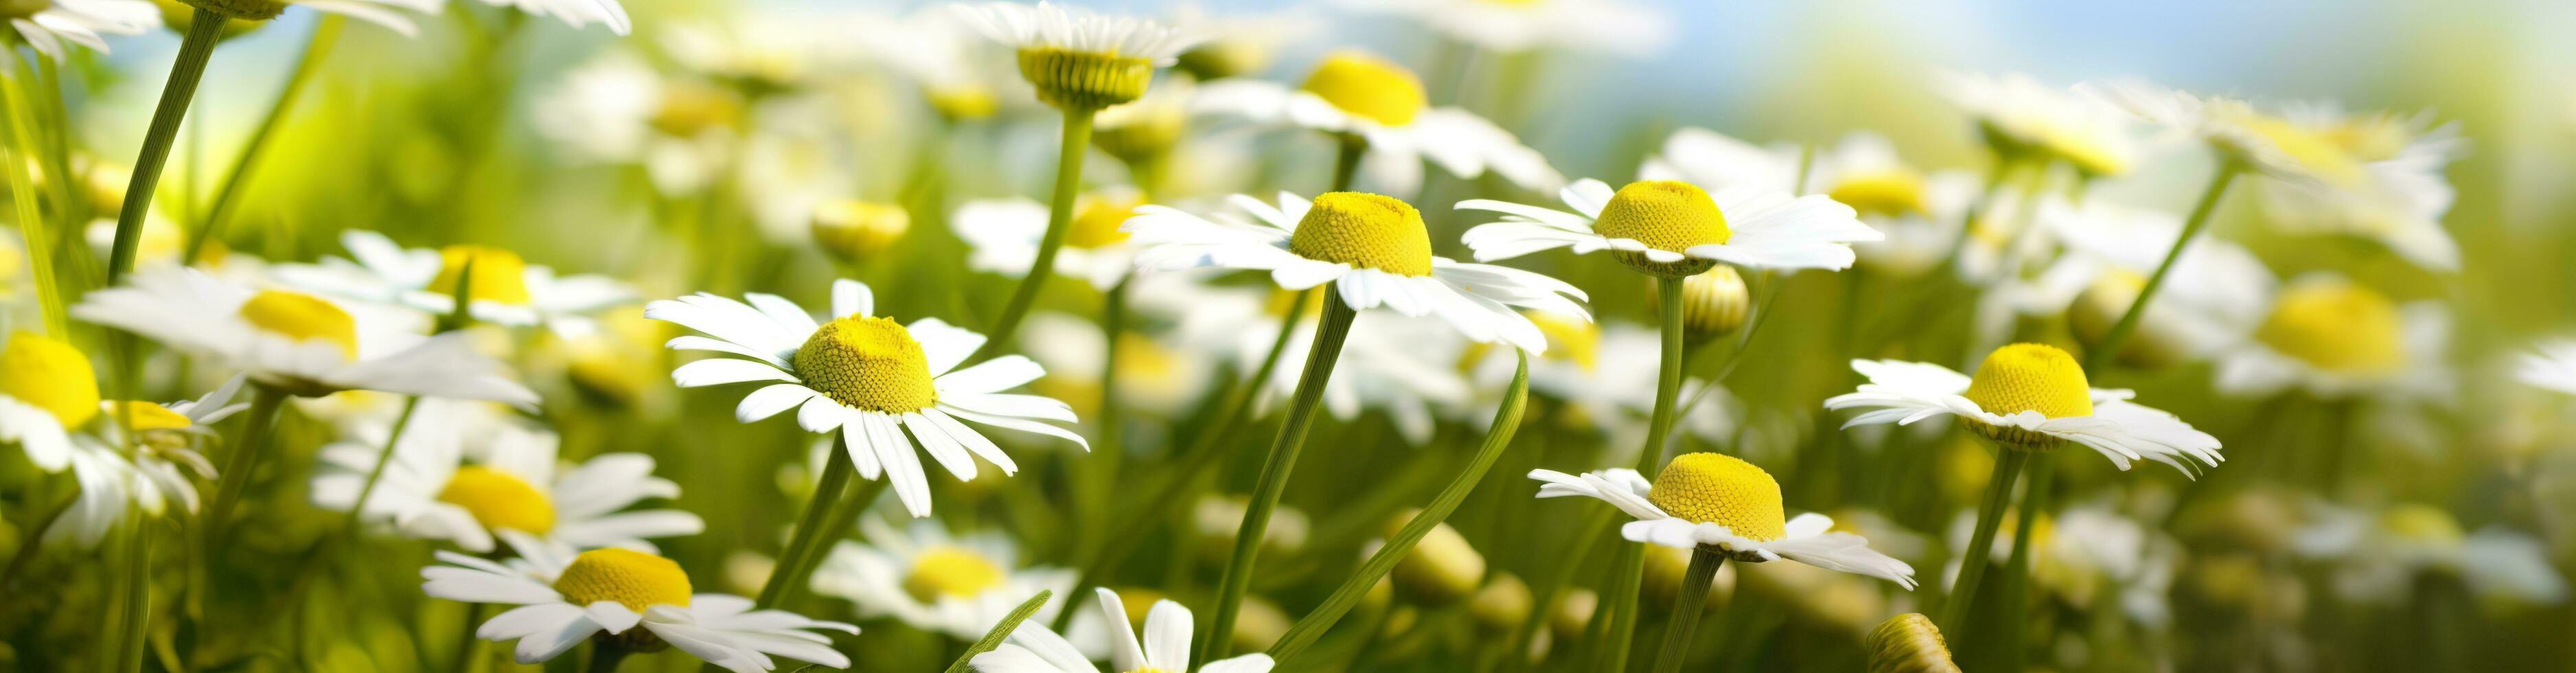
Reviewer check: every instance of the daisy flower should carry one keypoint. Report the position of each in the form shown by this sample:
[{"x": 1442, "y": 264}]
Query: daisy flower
[
  {"x": 2335, "y": 338},
  {"x": 625, "y": 599},
  {"x": 2030, "y": 396},
  {"x": 935, "y": 581},
  {"x": 933, "y": 47},
  {"x": 50, "y": 408},
  {"x": 2401, "y": 197},
  {"x": 2379, "y": 554},
  {"x": 1166, "y": 646},
  {"x": 505, "y": 289},
  {"x": 1606, "y": 372},
  {"x": 2550, "y": 365},
  {"x": 47, "y": 25},
  {"x": 575, "y": 13},
  {"x": 1373, "y": 249},
  {"x": 616, "y": 109},
  {"x": 1005, "y": 234},
  {"x": 1078, "y": 60},
  {"x": 1634, "y": 30},
  {"x": 387, "y": 13},
  {"x": 1156, "y": 373},
  {"x": 1239, "y": 43},
  {"x": 1397, "y": 363},
  {"x": 2216, "y": 287},
  {"x": 1720, "y": 503},
  {"x": 2017, "y": 114},
  {"x": 298, "y": 343},
  {"x": 869, "y": 377},
  {"x": 1920, "y": 213},
  {"x": 1380, "y": 106},
  {"x": 1676, "y": 229},
  {"x": 430, "y": 491}
]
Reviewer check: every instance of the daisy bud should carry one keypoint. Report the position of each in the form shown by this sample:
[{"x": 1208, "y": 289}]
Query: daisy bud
[
  {"x": 962, "y": 103},
  {"x": 858, "y": 232},
  {"x": 1502, "y": 604},
  {"x": 1259, "y": 624},
  {"x": 2101, "y": 305},
  {"x": 1368, "y": 86},
  {"x": 179, "y": 15},
  {"x": 1084, "y": 82},
  {"x": 1909, "y": 643},
  {"x": 1219, "y": 517},
  {"x": 691, "y": 108},
  {"x": 1220, "y": 59},
  {"x": 1141, "y": 133},
  {"x": 1573, "y": 613},
  {"x": 1441, "y": 569},
  {"x": 1665, "y": 567},
  {"x": 1714, "y": 304}
]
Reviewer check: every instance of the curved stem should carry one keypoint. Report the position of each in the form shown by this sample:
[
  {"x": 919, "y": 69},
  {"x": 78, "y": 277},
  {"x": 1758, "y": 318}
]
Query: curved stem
[
  {"x": 784, "y": 576},
  {"x": 1981, "y": 544},
  {"x": 383, "y": 456},
  {"x": 228, "y": 196},
  {"x": 22, "y": 192},
  {"x": 1687, "y": 607},
  {"x": 138, "y": 597},
  {"x": 199, "y": 46},
  {"x": 1668, "y": 380},
  {"x": 2034, "y": 502},
  {"x": 265, "y": 403},
  {"x": 1329, "y": 334},
  {"x": 2100, "y": 354},
  {"x": 1108, "y": 449},
  {"x": 1068, "y": 185}
]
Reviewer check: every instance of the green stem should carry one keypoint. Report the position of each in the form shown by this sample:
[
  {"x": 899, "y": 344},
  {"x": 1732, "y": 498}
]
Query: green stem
[
  {"x": 22, "y": 192},
  {"x": 1108, "y": 449},
  {"x": 1981, "y": 544},
  {"x": 256, "y": 434},
  {"x": 2034, "y": 501},
  {"x": 1629, "y": 572},
  {"x": 1346, "y": 165},
  {"x": 228, "y": 196},
  {"x": 1507, "y": 420},
  {"x": 1985, "y": 199},
  {"x": 138, "y": 597},
  {"x": 605, "y": 657},
  {"x": 469, "y": 649},
  {"x": 1200, "y": 456},
  {"x": 784, "y": 576},
  {"x": 2100, "y": 354},
  {"x": 203, "y": 32},
  {"x": 1329, "y": 334},
  {"x": 384, "y": 457},
  {"x": 1068, "y": 186},
  {"x": 844, "y": 518},
  {"x": 1687, "y": 607},
  {"x": 1002, "y": 630}
]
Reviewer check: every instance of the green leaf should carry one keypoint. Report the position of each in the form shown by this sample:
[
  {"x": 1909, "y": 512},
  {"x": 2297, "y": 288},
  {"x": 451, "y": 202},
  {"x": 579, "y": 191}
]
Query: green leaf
[{"x": 1002, "y": 629}]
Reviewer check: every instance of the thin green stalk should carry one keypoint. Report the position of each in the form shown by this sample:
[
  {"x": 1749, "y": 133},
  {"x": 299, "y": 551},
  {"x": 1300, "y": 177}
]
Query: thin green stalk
[
  {"x": 1687, "y": 607},
  {"x": 1995, "y": 176},
  {"x": 844, "y": 518},
  {"x": 1552, "y": 588},
  {"x": 384, "y": 457},
  {"x": 1507, "y": 420},
  {"x": 1068, "y": 185},
  {"x": 138, "y": 597},
  {"x": 22, "y": 192},
  {"x": 605, "y": 657},
  {"x": 265, "y": 402},
  {"x": 2100, "y": 354},
  {"x": 1195, "y": 460},
  {"x": 1329, "y": 334},
  {"x": 1109, "y": 448},
  {"x": 1981, "y": 544},
  {"x": 1002, "y": 629},
  {"x": 1629, "y": 572},
  {"x": 2034, "y": 501},
  {"x": 228, "y": 196},
  {"x": 784, "y": 577},
  {"x": 199, "y": 45},
  {"x": 469, "y": 649},
  {"x": 1346, "y": 165}
]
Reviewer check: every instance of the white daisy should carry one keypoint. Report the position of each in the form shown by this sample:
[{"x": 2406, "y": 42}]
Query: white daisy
[
  {"x": 575, "y": 13},
  {"x": 2215, "y": 289},
  {"x": 623, "y": 598},
  {"x": 933, "y": 47},
  {"x": 1619, "y": 27},
  {"x": 1373, "y": 249},
  {"x": 1156, "y": 373},
  {"x": 868, "y": 377},
  {"x": 506, "y": 289},
  {"x": 2379, "y": 554},
  {"x": 1606, "y": 372},
  {"x": 1719, "y": 502},
  {"x": 2550, "y": 365},
  {"x": 1166, "y": 647},
  {"x": 2028, "y": 395},
  {"x": 1919, "y": 213},
  {"x": 936, "y": 581},
  {"x": 1674, "y": 228},
  {"x": 430, "y": 491},
  {"x": 1005, "y": 234},
  {"x": 615, "y": 108},
  {"x": 2016, "y": 113},
  {"x": 1397, "y": 364},
  {"x": 2335, "y": 338},
  {"x": 1078, "y": 60},
  {"x": 2401, "y": 197},
  {"x": 47, "y": 25},
  {"x": 160, "y": 468},
  {"x": 299, "y": 343},
  {"x": 1373, "y": 101}
]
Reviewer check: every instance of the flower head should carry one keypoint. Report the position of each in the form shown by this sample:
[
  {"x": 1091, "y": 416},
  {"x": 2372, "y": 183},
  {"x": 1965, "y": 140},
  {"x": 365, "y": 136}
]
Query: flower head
[
  {"x": 1079, "y": 60},
  {"x": 623, "y": 598},
  {"x": 933, "y": 580},
  {"x": 2031, "y": 397},
  {"x": 501, "y": 286},
  {"x": 1676, "y": 229},
  {"x": 513, "y": 485},
  {"x": 2333, "y": 337},
  {"x": 47, "y": 24},
  {"x": 1721, "y": 503},
  {"x": 1165, "y": 648},
  {"x": 1366, "y": 99}
]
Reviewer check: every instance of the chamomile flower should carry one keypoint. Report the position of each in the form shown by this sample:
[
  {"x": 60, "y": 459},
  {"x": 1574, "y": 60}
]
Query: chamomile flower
[
  {"x": 2215, "y": 288},
  {"x": 1918, "y": 212},
  {"x": 146, "y": 475},
  {"x": 48, "y": 390},
  {"x": 1676, "y": 229},
  {"x": 1619, "y": 27},
  {"x": 1166, "y": 647},
  {"x": 1005, "y": 234},
  {"x": 1397, "y": 364},
  {"x": 2029, "y": 396},
  {"x": 504, "y": 288},
  {"x": 2018, "y": 115},
  {"x": 47, "y": 25},
  {"x": 934, "y": 49},
  {"x": 1077, "y": 59},
  {"x": 623, "y": 598},
  {"x": 1606, "y": 373},
  {"x": 2550, "y": 365},
  {"x": 868, "y": 377},
  {"x": 937, "y": 581},
  {"x": 575, "y": 13},
  {"x": 1373, "y": 249},
  {"x": 431, "y": 492},
  {"x": 1721, "y": 503},
  {"x": 2335, "y": 338},
  {"x": 1370, "y": 100},
  {"x": 299, "y": 343},
  {"x": 390, "y": 14},
  {"x": 617, "y": 109},
  {"x": 1156, "y": 373},
  {"x": 2378, "y": 554}
]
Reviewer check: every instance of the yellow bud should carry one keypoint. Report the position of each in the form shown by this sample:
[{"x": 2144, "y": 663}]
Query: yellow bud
[
  {"x": 1441, "y": 569},
  {"x": 1502, "y": 604},
  {"x": 858, "y": 232},
  {"x": 1909, "y": 643}
]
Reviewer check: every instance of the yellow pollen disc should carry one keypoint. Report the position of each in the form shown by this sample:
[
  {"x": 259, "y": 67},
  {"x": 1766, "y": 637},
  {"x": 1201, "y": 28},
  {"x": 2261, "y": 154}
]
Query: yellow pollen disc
[
  {"x": 302, "y": 317},
  {"x": 2029, "y": 377},
  {"x": 2372, "y": 138},
  {"x": 858, "y": 231},
  {"x": 2316, "y": 152},
  {"x": 1571, "y": 339},
  {"x": 950, "y": 572},
  {"x": 2422, "y": 523},
  {"x": 1723, "y": 490},
  {"x": 692, "y": 108},
  {"x": 498, "y": 500},
  {"x": 499, "y": 275},
  {"x": 1140, "y": 358},
  {"x": 1368, "y": 231},
  {"x": 1373, "y": 88},
  {"x": 1886, "y": 193},
  {"x": 1096, "y": 223},
  {"x": 867, "y": 363},
  {"x": 147, "y": 416},
  {"x": 51, "y": 375},
  {"x": 634, "y": 579},
  {"x": 2336, "y": 326},
  {"x": 1084, "y": 81},
  {"x": 1665, "y": 215}
]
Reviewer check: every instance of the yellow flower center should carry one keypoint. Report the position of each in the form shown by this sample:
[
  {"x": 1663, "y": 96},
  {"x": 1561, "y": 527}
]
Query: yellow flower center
[
  {"x": 1714, "y": 303},
  {"x": 691, "y": 108},
  {"x": 2371, "y": 138},
  {"x": 951, "y": 572},
  {"x": 1084, "y": 81},
  {"x": 51, "y": 375},
  {"x": 1368, "y": 231},
  {"x": 2029, "y": 377},
  {"x": 2318, "y": 154},
  {"x": 1220, "y": 59},
  {"x": 499, "y": 275},
  {"x": 2088, "y": 157},
  {"x": 498, "y": 500},
  {"x": 1096, "y": 223},
  {"x": 2336, "y": 326},
  {"x": 1723, "y": 490},
  {"x": 147, "y": 416},
  {"x": 858, "y": 231},
  {"x": 1569, "y": 338},
  {"x": 867, "y": 363},
  {"x": 1886, "y": 193},
  {"x": 1665, "y": 215},
  {"x": 1141, "y": 358},
  {"x": 1909, "y": 643},
  {"x": 634, "y": 579},
  {"x": 302, "y": 317},
  {"x": 2422, "y": 523},
  {"x": 1370, "y": 87}
]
